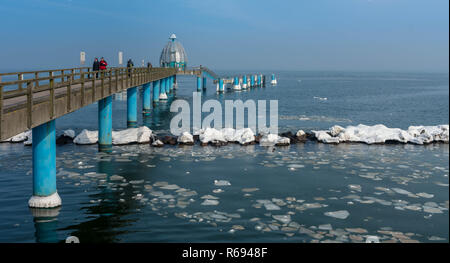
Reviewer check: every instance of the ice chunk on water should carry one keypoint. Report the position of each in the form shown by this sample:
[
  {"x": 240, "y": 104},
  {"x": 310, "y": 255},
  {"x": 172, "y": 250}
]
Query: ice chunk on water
[
  {"x": 222, "y": 183},
  {"x": 285, "y": 219},
  {"x": 210, "y": 202},
  {"x": 341, "y": 214}
]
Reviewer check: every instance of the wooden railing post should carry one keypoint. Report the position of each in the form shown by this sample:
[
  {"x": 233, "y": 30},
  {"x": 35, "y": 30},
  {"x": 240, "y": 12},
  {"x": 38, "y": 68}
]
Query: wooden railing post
[
  {"x": 69, "y": 93},
  {"x": 29, "y": 104},
  {"x": 1, "y": 107},
  {"x": 110, "y": 81},
  {"x": 116, "y": 72},
  {"x": 94, "y": 75},
  {"x": 20, "y": 77},
  {"x": 52, "y": 95},
  {"x": 62, "y": 76},
  {"x": 36, "y": 82},
  {"x": 122, "y": 78},
  {"x": 103, "y": 83},
  {"x": 82, "y": 89}
]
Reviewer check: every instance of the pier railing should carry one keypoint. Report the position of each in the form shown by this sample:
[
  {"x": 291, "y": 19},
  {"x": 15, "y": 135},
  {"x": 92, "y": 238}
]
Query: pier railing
[{"x": 28, "y": 99}]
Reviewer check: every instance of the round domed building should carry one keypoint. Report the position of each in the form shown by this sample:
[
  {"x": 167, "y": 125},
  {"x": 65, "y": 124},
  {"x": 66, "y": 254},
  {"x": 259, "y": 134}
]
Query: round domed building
[{"x": 173, "y": 55}]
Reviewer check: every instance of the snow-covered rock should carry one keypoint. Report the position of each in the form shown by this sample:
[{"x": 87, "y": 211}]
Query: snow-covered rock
[
  {"x": 86, "y": 137},
  {"x": 69, "y": 133},
  {"x": 23, "y": 136},
  {"x": 300, "y": 133},
  {"x": 131, "y": 135},
  {"x": 212, "y": 135},
  {"x": 382, "y": 134},
  {"x": 157, "y": 143},
  {"x": 242, "y": 136},
  {"x": 274, "y": 139},
  {"x": 186, "y": 138}
]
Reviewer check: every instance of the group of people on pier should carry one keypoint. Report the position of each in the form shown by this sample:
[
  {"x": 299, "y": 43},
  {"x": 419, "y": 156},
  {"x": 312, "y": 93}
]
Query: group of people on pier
[{"x": 102, "y": 64}]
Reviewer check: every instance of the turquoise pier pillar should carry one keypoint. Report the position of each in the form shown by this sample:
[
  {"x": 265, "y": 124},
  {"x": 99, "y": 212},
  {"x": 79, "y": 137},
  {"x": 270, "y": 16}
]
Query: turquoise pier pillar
[
  {"x": 252, "y": 81},
  {"x": 44, "y": 167},
  {"x": 132, "y": 107},
  {"x": 156, "y": 90},
  {"x": 167, "y": 85},
  {"x": 105, "y": 124},
  {"x": 172, "y": 81},
  {"x": 220, "y": 85},
  {"x": 204, "y": 83},
  {"x": 236, "y": 84},
  {"x": 244, "y": 81},
  {"x": 146, "y": 100},
  {"x": 199, "y": 83},
  {"x": 259, "y": 80},
  {"x": 162, "y": 94}
]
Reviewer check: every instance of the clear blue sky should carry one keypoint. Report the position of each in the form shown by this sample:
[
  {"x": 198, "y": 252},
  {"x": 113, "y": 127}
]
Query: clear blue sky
[{"x": 372, "y": 35}]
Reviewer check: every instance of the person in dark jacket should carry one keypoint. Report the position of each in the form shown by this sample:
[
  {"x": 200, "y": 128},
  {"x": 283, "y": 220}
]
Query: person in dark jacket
[
  {"x": 96, "y": 66},
  {"x": 130, "y": 64},
  {"x": 149, "y": 65}
]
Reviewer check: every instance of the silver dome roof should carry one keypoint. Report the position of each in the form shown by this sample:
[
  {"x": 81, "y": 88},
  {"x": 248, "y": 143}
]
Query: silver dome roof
[{"x": 173, "y": 52}]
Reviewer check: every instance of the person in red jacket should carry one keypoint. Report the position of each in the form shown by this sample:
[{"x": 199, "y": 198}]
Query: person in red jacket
[{"x": 103, "y": 64}]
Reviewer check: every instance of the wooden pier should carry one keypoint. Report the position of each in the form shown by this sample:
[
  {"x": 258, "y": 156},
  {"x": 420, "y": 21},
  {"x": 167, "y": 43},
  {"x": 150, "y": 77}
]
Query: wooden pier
[{"x": 37, "y": 97}]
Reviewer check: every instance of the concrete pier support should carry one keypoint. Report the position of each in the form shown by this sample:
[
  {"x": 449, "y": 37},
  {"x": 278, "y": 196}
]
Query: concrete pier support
[
  {"x": 163, "y": 95},
  {"x": 221, "y": 88},
  {"x": 105, "y": 124},
  {"x": 244, "y": 82},
  {"x": 204, "y": 83},
  {"x": 199, "y": 83},
  {"x": 170, "y": 84},
  {"x": 236, "y": 84},
  {"x": 132, "y": 107},
  {"x": 175, "y": 84},
  {"x": 167, "y": 85},
  {"x": 146, "y": 100},
  {"x": 156, "y": 91},
  {"x": 44, "y": 167}
]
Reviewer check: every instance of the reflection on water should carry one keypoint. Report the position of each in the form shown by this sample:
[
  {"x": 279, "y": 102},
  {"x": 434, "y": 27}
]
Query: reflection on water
[
  {"x": 45, "y": 224},
  {"x": 308, "y": 192}
]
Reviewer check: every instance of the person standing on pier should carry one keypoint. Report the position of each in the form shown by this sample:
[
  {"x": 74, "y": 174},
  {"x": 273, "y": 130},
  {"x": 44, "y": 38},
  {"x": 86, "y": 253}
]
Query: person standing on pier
[
  {"x": 96, "y": 67},
  {"x": 130, "y": 64},
  {"x": 149, "y": 65},
  {"x": 103, "y": 65}
]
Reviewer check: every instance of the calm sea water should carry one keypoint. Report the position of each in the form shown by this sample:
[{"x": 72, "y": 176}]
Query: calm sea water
[{"x": 398, "y": 193}]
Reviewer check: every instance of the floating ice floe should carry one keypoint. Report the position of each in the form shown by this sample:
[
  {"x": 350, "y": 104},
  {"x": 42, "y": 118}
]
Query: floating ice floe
[
  {"x": 382, "y": 134},
  {"x": 341, "y": 214},
  {"x": 221, "y": 183},
  {"x": 157, "y": 143},
  {"x": 185, "y": 138},
  {"x": 210, "y": 202}
]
